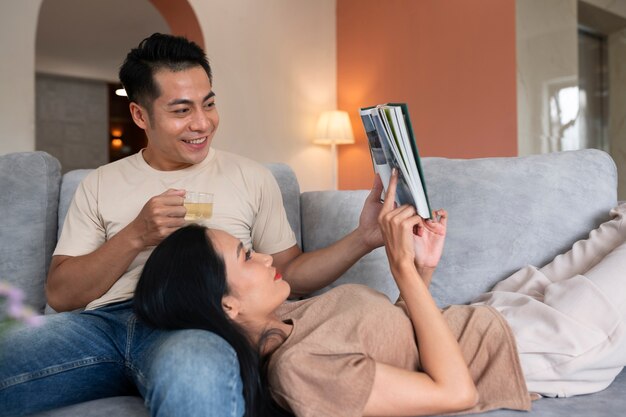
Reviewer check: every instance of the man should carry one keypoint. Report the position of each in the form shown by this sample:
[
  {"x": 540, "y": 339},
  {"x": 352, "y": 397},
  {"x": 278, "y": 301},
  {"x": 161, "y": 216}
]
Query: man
[{"x": 119, "y": 213}]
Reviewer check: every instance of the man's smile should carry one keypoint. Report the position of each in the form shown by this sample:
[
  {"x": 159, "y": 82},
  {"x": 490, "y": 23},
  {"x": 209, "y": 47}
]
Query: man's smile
[{"x": 195, "y": 141}]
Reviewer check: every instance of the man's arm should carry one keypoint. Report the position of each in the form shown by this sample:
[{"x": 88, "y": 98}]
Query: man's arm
[
  {"x": 75, "y": 281},
  {"x": 311, "y": 271}
]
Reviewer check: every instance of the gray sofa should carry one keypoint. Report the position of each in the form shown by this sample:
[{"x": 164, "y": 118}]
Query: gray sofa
[{"x": 504, "y": 213}]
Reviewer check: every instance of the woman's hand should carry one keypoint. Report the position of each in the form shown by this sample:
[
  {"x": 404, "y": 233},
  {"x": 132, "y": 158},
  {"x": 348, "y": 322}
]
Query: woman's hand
[
  {"x": 408, "y": 237},
  {"x": 428, "y": 240}
]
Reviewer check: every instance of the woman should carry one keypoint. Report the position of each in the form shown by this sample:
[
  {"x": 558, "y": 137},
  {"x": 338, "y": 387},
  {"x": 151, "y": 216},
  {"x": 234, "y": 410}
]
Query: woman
[{"x": 350, "y": 352}]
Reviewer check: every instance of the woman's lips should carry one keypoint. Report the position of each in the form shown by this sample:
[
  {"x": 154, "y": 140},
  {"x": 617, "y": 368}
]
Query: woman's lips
[{"x": 277, "y": 276}]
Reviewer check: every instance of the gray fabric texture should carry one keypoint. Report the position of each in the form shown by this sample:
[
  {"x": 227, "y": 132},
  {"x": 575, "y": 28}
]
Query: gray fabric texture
[
  {"x": 290, "y": 189},
  {"x": 106, "y": 407},
  {"x": 504, "y": 213},
  {"x": 327, "y": 215},
  {"x": 68, "y": 188},
  {"x": 29, "y": 192},
  {"x": 608, "y": 403}
]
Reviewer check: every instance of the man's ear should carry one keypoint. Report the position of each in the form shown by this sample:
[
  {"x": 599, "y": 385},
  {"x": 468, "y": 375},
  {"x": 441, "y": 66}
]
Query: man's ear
[
  {"x": 140, "y": 115},
  {"x": 231, "y": 306}
]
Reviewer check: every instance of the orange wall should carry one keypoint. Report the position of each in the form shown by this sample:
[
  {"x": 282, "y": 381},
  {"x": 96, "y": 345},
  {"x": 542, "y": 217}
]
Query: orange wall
[
  {"x": 452, "y": 61},
  {"x": 181, "y": 19}
]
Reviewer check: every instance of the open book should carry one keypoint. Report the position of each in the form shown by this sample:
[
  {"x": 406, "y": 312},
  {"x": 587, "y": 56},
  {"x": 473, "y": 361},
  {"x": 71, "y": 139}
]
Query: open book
[{"x": 392, "y": 145}]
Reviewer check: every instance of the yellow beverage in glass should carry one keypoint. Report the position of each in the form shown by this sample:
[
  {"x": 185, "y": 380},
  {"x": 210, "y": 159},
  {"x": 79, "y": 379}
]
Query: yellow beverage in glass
[{"x": 199, "y": 206}]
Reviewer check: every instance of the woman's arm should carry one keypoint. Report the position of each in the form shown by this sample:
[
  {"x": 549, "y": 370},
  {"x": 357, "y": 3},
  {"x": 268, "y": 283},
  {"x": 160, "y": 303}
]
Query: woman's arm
[{"x": 445, "y": 384}]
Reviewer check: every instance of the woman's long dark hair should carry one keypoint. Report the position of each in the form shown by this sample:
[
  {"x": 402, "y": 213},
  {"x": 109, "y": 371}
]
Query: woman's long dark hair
[{"x": 181, "y": 287}]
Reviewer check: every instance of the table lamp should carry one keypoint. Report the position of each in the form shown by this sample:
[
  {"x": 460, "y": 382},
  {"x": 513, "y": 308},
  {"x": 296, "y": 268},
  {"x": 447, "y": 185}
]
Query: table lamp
[{"x": 334, "y": 128}]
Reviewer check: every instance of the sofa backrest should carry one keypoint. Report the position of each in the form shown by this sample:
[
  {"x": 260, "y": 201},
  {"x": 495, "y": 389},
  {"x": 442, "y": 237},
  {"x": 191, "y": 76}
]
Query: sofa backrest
[
  {"x": 29, "y": 196},
  {"x": 504, "y": 213}
]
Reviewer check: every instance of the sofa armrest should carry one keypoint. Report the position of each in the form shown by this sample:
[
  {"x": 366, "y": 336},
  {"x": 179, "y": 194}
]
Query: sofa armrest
[{"x": 28, "y": 211}]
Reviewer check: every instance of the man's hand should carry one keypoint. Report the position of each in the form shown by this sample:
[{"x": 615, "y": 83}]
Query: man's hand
[
  {"x": 368, "y": 221},
  {"x": 75, "y": 281},
  {"x": 159, "y": 217}
]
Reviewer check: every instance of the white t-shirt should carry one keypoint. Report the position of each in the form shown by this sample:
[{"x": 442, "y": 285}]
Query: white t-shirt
[{"x": 247, "y": 204}]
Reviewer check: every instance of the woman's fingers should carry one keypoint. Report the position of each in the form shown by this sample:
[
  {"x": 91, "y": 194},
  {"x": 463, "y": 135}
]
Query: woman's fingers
[
  {"x": 389, "y": 215},
  {"x": 389, "y": 212},
  {"x": 438, "y": 223},
  {"x": 443, "y": 217},
  {"x": 397, "y": 216},
  {"x": 390, "y": 195}
]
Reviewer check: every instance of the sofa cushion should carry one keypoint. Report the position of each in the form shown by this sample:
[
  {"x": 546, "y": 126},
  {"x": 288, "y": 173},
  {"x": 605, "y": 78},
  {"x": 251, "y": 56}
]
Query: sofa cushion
[
  {"x": 105, "y": 407},
  {"x": 290, "y": 190},
  {"x": 608, "y": 403},
  {"x": 28, "y": 220},
  {"x": 504, "y": 213},
  {"x": 522, "y": 211},
  {"x": 68, "y": 188}
]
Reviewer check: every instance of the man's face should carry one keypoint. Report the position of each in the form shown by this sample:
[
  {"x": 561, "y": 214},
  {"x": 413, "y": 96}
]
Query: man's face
[{"x": 182, "y": 122}]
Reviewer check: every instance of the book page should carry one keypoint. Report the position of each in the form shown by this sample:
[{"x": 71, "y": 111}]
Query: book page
[
  {"x": 416, "y": 185},
  {"x": 392, "y": 145},
  {"x": 379, "y": 160},
  {"x": 397, "y": 123},
  {"x": 403, "y": 192}
]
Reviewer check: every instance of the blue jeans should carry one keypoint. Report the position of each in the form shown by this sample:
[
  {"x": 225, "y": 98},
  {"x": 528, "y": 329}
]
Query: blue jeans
[{"x": 77, "y": 357}]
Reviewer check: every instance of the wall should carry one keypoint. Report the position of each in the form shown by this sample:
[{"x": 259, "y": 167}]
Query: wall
[
  {"x": 17, "y": 81},
  {"x": 90, "y": 39},
  {"x": 617, "y": 87},
  {"x": 453, "y": 62},
  {"x": 274, "y": 66},
  {"x": 617, "y": 104},
  {"x": 547, "y": 57},
  {"x": 274, "y": 71},
  {"x": 617, "y": 7},
  {"x": 72, "y": 107},
  {"x": 72, "y": 121},
  {"x": 181, "y": 19}
]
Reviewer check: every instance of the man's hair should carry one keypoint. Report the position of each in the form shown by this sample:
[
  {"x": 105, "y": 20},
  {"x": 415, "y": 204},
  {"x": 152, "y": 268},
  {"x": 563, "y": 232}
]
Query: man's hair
[{"x": 157, "y": 52}]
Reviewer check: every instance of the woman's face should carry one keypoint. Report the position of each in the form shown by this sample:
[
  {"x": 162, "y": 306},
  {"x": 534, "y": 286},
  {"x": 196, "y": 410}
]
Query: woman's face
[{"x": 256, "y": 289}]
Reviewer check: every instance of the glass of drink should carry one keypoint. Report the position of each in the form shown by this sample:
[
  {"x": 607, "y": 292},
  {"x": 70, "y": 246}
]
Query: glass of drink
[{"x": 199, "y": 206}]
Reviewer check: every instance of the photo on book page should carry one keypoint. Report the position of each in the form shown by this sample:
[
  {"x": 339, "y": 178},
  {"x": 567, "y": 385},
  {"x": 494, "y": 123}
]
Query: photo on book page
[{"x": 383, "y": 157}]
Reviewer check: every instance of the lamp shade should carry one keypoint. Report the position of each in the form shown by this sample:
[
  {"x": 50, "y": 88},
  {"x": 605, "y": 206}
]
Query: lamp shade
[{"x": 334, "y": 126}]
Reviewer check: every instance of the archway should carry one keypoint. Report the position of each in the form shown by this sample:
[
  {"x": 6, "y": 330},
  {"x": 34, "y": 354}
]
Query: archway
[
  {"x": 79, "y": 47},
  {"x": 181, "y": 19}
]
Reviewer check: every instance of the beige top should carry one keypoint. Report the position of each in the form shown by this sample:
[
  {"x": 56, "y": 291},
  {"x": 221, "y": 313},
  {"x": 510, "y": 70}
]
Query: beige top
[
  {"x": 247, "y": 204},
  {"x": 326, "y": 366}
]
